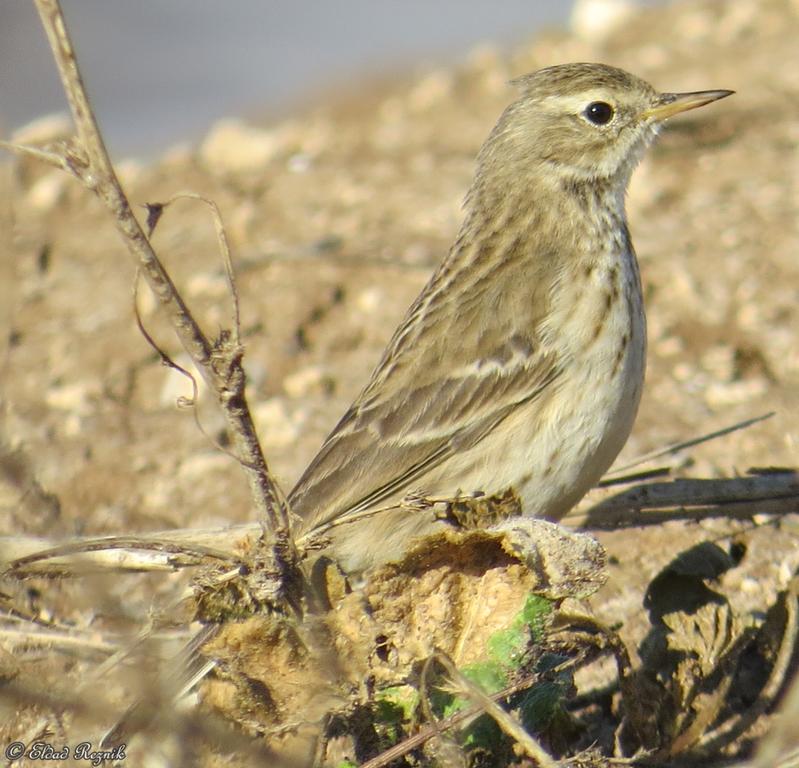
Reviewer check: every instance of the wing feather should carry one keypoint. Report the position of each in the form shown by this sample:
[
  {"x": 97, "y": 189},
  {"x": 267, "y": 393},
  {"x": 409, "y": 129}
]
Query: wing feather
[
  {"x": 381, "y": 451},
  {"x": 470, "y": 350}
]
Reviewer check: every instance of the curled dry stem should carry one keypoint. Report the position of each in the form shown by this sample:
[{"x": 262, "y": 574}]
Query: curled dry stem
[{"x": 219, "y": 363}]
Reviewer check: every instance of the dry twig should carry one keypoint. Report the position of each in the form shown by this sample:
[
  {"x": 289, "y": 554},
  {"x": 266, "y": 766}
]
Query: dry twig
[
  {"x": 509, "y": 724},
  {"x": 643, "y": 504},
  {"x": 219, "y": 361},
  {"x": 775, "y": 493}
]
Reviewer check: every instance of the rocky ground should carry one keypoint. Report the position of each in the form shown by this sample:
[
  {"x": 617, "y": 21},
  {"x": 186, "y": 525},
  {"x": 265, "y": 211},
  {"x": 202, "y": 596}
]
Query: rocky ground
[{"x": 336, "y": 219}]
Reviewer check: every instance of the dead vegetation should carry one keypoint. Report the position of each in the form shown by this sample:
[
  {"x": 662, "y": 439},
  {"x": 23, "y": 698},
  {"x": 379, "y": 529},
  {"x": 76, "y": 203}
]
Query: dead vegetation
[{"x": 506, "y": 646}]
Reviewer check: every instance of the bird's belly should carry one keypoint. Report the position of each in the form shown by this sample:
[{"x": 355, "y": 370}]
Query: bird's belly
[
  {"x": 553, "y": 449},
  {"x": 592, "y": 415}
]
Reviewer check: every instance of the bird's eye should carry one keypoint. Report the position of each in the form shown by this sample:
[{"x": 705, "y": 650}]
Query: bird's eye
[{"x": 599, "y": 112}]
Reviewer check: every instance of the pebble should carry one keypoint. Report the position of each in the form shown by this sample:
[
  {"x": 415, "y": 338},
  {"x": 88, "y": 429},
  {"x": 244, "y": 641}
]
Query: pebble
[
  {"x": 670, "y": 346},
  {"x": 48, "y": 191},
  {"x": 369, "y": 300},
  {"x": 44, "y": 129},
  {"x": 750, "y": 586},
  {"x": 158, "y": 493},
  {"x": 179, "y": 154},
  {"x": 277, "y": 426},
  {"x": 718, "y": 395},
  {"x": 430, "y": 91},
  {"x": 129, "y": 171},
  {"x": 594, "y": 20},
  {"x": 232, "y": 146},
  {"x": 202, "y": 464},
  {"x": 719, "y": 361},
  {"x": 73, "y": 397},
  {"x": 208, "y": 284},
  {"x": 300, "y": 162},
  {"x": 306, "y": 381}
]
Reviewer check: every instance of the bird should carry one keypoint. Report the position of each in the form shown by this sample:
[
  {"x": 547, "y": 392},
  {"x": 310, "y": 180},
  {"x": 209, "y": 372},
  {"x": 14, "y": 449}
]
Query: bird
[{"x": 521, "y": 362}]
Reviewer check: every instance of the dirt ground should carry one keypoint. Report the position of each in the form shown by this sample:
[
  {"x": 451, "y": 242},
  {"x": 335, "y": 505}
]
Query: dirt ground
[{"x": 336, "y": 219}]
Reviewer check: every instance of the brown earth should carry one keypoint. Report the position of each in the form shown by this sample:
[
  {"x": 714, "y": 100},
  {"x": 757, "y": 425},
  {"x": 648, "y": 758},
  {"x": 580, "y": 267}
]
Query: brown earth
[{"x": 336, "y": 218}]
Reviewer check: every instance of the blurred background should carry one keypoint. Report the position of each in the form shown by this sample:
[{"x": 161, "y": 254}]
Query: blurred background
[{"x": 161, "y": 71}]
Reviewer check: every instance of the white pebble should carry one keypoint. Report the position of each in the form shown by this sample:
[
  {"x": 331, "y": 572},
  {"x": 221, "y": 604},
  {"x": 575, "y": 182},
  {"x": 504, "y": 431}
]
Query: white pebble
[
  {"x": 47, "y": 191},
  {"x": 44, "y": 129},
  {"x": 593, "y": 20},
  {"x": 277, "y": 427},
  {"x": 233, "y": 146},
  {"x": 306, "y": 381},
  {"x": 718, "y": 395}
]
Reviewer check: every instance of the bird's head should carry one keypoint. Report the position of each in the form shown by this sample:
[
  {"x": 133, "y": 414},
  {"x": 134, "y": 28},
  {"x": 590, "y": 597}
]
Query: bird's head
[{"x": 583, "y": 122}]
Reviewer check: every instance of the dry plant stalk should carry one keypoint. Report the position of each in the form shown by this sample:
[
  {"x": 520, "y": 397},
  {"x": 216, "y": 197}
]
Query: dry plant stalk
[
  {"x": 219, "y": 361},
  {"x": 760, "y": 493},
  {"x": 509, "y": 724},
  {"x": 642, "y": 503}
]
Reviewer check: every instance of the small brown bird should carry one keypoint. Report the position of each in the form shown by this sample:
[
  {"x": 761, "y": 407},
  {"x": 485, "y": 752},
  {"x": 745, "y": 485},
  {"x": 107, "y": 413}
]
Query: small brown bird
[{"x": 521, "y": 362}]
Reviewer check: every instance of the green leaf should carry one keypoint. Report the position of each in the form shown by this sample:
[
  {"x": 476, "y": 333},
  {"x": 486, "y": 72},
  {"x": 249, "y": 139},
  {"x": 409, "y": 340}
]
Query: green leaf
[
  {"x": 489, "y": 675},
  {"x": 537, "y": 612},
  {"x": 396, "y": 704}
]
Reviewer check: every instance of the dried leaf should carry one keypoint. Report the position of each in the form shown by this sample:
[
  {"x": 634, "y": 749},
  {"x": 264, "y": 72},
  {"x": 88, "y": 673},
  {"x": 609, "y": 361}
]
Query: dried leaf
[{"x": 703, "y": 637}]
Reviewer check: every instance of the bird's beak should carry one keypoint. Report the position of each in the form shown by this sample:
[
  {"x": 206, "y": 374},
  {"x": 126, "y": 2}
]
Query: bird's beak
[{"x": 668, "y": 104}]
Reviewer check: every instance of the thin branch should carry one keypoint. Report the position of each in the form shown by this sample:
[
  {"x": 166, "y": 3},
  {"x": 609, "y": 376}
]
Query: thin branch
[
  {"x": 673, "y": 448},
  {"x": 182, "y": 401},
  {"x": 634, "y": 477},
  {"x": 159, "y": 550},
  {"x": 509, "y": 724},
  {"x": 224, "y": 250},
  {"x": 26, "y": 638},
  {"x": 220, "y": 363},
  {"x": 644, "y": 504},
  {"x": 442, "y": 726},
  {"x": 42, "y": 155},
  {"x": 170, "y": 555},
  {"x": 774, "y": 493}
]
